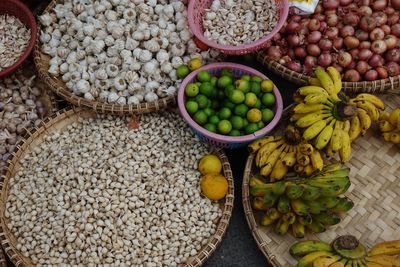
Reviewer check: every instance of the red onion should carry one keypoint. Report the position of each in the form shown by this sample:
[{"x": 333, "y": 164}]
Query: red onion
[
  {"x": 379, "y": 5},
  {"x": 318, "y": 18},
  {"x": 284, "y": 60},
  {"x": 361, "y": 35},
  {"x": 352, "y": 65},
  {"x": 393, "y": 55},
  {"x": 303, "y": 28},
  {"x": 314, "y": 25},
  {"x": 395, "y": 4},
  {"x": 377, "y": 34},
  {"x": 325, "y": 59},
  {"x": 292, "y": 27},
  {"x": 351, "y": 19},
  {"x": 351, "y": 42},
  {"x": 294, "y": 66},
  {"x": 331, "y": 32},
  {"x": 328, "y": 12},
  {"x": 310, "y": 61},
  {"x": 323, "y": 26},
  {"x": 318, "y": 9},
  {"x": 313, "y": 50},
  {"x": 386, "y": 29},
  {"x": 325, "y": 44},
  {"x": 393, "y": 69},
  {"x": 351, "y": 76},
  {"x": 380, "y": 18},
  {"x": 389, "y": 10},
  {"x": 330, "y": 4},
  {"x": 290, "y": 53},
  {"x": 365, "y": 3},
  {"x": 391, "y": 41},
  {"x": 274, "y": 53},
  {"x": 354, "y": 53},
  {"x": 332, "y": 20},
  {"x": 382, "y": 72},
  {"x": 293, "y": 40},
  {"x": 295, "y": 18},
  {"x": 371, "y": 75},
  {"x": 365, "y": 45},
  {"x": 362, "y": 67},
  {"x": 378, "y": 46},
  {"x": 345, "y": 2},
  {"x": 346, "y": 31},
  {"x": 300, "y": 52},
  {"x": 277, "y": 36},
  {"x": 376, "y": 61},
  {"x": 395, "y": 29},
  {"x": 314, "y": 37},
  {"x": 338, "y": 43},
  {"x": 393, "y": 19},
  {"x": 344, "y": 59},
  {"x": 338, "y": 67},
  {"x": 367, "y": 23},
  {"x": 364, "y": 54},
  {"x": 364, "y": 11}
]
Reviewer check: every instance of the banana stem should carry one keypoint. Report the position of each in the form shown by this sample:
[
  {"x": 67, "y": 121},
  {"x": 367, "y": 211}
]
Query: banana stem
[
  {"x": 342, "y": 111},
  {"x": 347, "y": 242}
]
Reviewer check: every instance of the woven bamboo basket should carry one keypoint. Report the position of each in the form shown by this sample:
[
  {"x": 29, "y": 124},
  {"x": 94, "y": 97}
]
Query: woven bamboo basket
[
  {"x": 3, "y": 260},
  {"x": 59, "y": 87},
  {"x": 390, "y": 85},
  {"x": 375, "y": 191},
  {"x": 59, "y": 121}
]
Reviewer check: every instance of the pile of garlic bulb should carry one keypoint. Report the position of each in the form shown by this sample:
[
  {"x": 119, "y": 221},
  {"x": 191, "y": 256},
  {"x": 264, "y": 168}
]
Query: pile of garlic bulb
[{"x": 119, "y": 51}]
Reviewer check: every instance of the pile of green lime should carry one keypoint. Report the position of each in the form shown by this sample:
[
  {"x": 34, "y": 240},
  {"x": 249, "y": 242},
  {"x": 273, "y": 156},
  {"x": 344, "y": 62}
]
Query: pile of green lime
[{"x": 229, "y": 105}]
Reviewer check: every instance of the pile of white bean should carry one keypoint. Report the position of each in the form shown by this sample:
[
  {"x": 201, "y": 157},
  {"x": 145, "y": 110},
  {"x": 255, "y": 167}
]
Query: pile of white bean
[{"x": 101, "y": 194}]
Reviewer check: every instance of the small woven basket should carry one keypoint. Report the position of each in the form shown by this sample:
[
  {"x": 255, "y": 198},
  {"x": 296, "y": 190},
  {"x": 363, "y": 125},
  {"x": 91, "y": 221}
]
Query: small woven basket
[
  {"x": 56, "y": 123},
  {"x": 17, "y": 9},
  {"x": 375, "y": 191},
  {"x": 59, "y": 87},
  {"x": 390, "y": 85},
  {"x": 225, "y": 141},
  {"x": 3, "y": 260},
  {"x": 196, "y": 11}
]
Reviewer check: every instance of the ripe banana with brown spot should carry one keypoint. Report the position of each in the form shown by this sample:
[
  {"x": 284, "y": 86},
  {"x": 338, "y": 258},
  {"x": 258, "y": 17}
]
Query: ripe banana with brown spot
[
  {"x": 337, "y": 136},
  {"x": 325, "y": 136},
  {"x": 267, "y": 149},
  {"x": 313, "y": 130},
  {"x": 345, "y": 150},
  {"x": 372, "y": 111},
  {"x": 355, "y": 128},
  {"x": 365, "y": 120},
  {"x": 372, "y": 99},
  {"x": 269, "y": 163}
]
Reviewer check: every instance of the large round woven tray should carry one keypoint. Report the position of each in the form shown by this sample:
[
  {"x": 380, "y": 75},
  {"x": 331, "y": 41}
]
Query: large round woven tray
[
  {"x": 375, "y": 191},
  {"x": 3, "y": 261},
  {"x": 59, "y": 87},
  {"x": 389, "y": 85},
  {"x": 58, "y": 122}
]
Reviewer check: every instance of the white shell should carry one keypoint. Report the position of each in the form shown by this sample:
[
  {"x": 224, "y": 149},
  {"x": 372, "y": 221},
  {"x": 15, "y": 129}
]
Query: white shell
[
  {"x": 171, "y": 27},
  {"x": 178, "y": 50},
  {"x": 56, "y": 34},
  {"x": 181, "y": 24},
  {"x": 119, "y": 45},
  {"x": 73, "y": 44},
  {"x": 112, "y": 97},
  {"x": 102, "y": 84},
  {"x": 158, "y": 9},
  {"x": 168, "y": 11},
  {"x": 125, "y": 54},
  {"x": 64, "y": 68},
  {"x": 109, "y": 40},
  {"x": 176, "y": 62},
  {"x": 87, "y": 41},
  {"x": 152, "y": 45},
  {"x": 117, "y": 31},
  {"x": 145, "y": 56},
  {"x": 121, "y": 100},
  {"x": 162, "y": 56},
  {"x": 104, "y": 95},
  {"x": 129, "y": 14},
  {"x": 172, "y": 75},
  {"x": 151, "y": 85},
  {"x": 82, "y": 86},
  {"x": 170, "y": 90},
  {"x": 185, "y": 35},
  {"x": 164, "y": 42},
  {"x": 66, "y": 77},
  {"x": 166, "y": 67},
  {"x": 55, "y": 61},
  {"x": 80, "y": 54},
  {"x": 154, "y": 30},
  {"x": 150, "y": 97},
  {"x": 54, "y": 42},
  {"x": 101, "y": 74},
  {"x": 112, "y": 51},
  {"x": 138, "y": 36},
  {"x": 119, "y": 83},
  {"x": 133, "y": 87},
  {"x": 44, "y": 37},
  {"x": 133, "y": 100},
  {"x": 71, "y": 58},
  {"x": 76, "y": 76},
  {"x": 88, "y": 96},
  {"x": 46, "y": 19},
  {"x": 54, "y": 70},
  {"x": 101, "y": 34},
  {"x": 88, "y": 29},
  {"x": 131, "y": 44},
  {"x": 111, "y": 15},
  {"x": 97, "y": 46},
  {"x": 178, "y": 6}
]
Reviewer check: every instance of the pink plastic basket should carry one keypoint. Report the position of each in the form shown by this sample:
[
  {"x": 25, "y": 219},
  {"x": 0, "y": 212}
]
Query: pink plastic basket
[
  {"x": 224, "y": 140},
  {"x": 196, "y": 12}
]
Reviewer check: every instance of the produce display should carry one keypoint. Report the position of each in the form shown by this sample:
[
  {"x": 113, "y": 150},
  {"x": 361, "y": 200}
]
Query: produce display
[
  {"x": 14, "y": 38},
  {"x": 100, "y": 193},
  {"x": 346, "y": 251},
  {"x": 122, "y": 52},
  {"x": 333, "y": 121},
  {"x": 389, "y": 125},
  {"x": 277, "y": 155},
  {"x": 303, "y": 202},
  {"x": 230, "y": 105},
  {"x": 358, "y": 38},
  {"x": 239, "y": 22},
  {"x": 21, "y": 107}
]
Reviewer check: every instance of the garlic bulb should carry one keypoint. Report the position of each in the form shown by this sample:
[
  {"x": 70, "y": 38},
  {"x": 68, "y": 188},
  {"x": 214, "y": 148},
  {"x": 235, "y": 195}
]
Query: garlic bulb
[
  {"x": 145, "y": 56},
  {"x": 82, "y": 86},
  {"x": 112, "y": 70}
]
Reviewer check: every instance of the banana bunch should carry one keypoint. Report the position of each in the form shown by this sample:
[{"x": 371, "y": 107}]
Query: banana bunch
[
  {"x": 389, "y": 124},
  {"x": 303, "y": 202},
  {"x": 277, "y": 155},
  {"x": 345, "y": 251},
  {"x": 333, "y": 123}
]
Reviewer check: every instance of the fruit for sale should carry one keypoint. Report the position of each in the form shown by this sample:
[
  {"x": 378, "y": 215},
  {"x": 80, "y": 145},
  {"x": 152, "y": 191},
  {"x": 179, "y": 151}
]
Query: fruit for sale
[
  {"x": 389, "y": 125},
  {"x": 333, "y": 122},
  {"x": 302, "y": 202},
  {"x": 346, "y": 251},
  {"x": 210, "y": 164},
  {"x": 214, "y": 186}
]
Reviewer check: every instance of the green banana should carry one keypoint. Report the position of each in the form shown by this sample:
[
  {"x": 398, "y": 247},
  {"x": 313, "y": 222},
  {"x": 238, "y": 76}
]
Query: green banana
[
  {"x": 315, "y": 207},
  {"x": 269, "y": 199},
  {"x": 294, "y": 191},
  {"x": 316, "y": 227},
  {"x": 310, "y": 192},
  {"x": 299, "y": 207},
  {"x": 304, "y": 220},
  {"x": 326, "y": 218},
  {"x": 344, "y": 204},
  {"x": 298, "y": 230},
  {"x": 332, "y": 174},
  {"x": 258, "y": 204},
  {"x": 308, "y": 259},
  {"x": 283, "y": 224},
  {"x": 329, "y": 202},
  {"x": 283, "y": 204},
  {"x": 259, "y": 190},
  {"x": 278, "y": 188},
  {"x": 305, "y": 247},
  {"x": 273, "y": 213}
]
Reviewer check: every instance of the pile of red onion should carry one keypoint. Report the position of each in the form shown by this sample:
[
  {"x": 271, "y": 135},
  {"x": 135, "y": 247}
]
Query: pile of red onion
[{"x": 359, "y": 38}]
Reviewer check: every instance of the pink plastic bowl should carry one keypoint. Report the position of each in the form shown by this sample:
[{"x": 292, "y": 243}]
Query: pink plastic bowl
[
  {"x": 224, "y": 140},
  {"x": 196, "y": 11}
]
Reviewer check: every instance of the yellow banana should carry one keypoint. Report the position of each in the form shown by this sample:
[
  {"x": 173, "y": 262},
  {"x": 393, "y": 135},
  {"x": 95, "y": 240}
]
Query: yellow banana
[
  {"x": 373, "y": 264},
  {"x": 394, "y": 116},
  {"x": 325, "y": 80},
  {"x": 306, "y": 108},
  {"x": 314, "y": 81},
  {"x": 302, "y": 159},
  {"x": 311, "y": 89},
  {"x": 395, "y": 138},
  {"x": 312, "y": 118},
  {"x": 289, "y": 159},
  {"x": 346, "y": 125},
  {"x": 337, "y": 136},
  {"x": 329, "y": 151},
  {"x": 385, "y": 260},
  {"x": 386, "y": 136},
  {"x": 298, "y": 168},
  {"x": 279, "y": 171},
  {"x": 317, "y": 99},
  {"x": 297, "y": 116},
  {"x": 316, "y": 160},
  {"x": 308, "y": 170},
  {"x": 387, "y": 248},
  {"x": 365, "y": 120},
  {"x": 384, "y": 115},
  {"x": 372, "y": 111},
  {"x": 325, "y": 136},
  {"x": 371, "y": 98},
  {"x": 267, "y": 149},
  {"x": 386, "y": 126},
  {"x": 271, "y": 160},
  {"x": 313, "y": 130},
  {"x": 306, "y": 148},
  {"x": 345, "y": 150},
  {"x": 336, "y": 78},
  {"x": 355, "y": 128},
  {"x": 257, "y": 144},
  {"x": 337, "y": 264}
]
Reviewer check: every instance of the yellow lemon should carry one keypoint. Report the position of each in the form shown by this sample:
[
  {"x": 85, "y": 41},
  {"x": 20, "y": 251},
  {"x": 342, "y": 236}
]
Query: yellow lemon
[
  {"x": 254, "y": 115},
  {"x": 214, "y": 186},
  {"x": 194, "y": 64},
  {"x": 210, "y": 164}
]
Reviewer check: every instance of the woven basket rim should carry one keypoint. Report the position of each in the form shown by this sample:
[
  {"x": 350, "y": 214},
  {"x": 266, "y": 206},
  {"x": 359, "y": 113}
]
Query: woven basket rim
[
  {"x": 388, "y": 85},
  {"x": 24, "y": 146},
  {"x": 59, "y": 87}
]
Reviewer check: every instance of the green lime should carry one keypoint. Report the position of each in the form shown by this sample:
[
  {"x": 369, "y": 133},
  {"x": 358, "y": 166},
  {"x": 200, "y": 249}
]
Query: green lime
[
  {"x": 209, "y": 111},
  {"x": 267, "y": 86},
  {"x": 235, "y": 132},
  {"x": 213, "y": 119},
  {"x": 214, "y": 93},
  {"x": 211, "y": 127},
  {"x": 228, "y": 104},
  {"x": 245, "y": 122},
  {"x": 243, "y": 85},
  {"x": 268, "y": 99},
  {"x": 182, "y": 71},
  {"x": 241, "y": 110},
  {"x": 209, "y": 103},
  {"x": 255, "y": 87},
  {"x": 200, "y": 117},
  {"x": 237, "y": 96},
  {"x": 206, "y": 89},
  {"x": 256, "y": 79},
  {"x": 228, "y": 90},
  {"x": 251, "y": 128},
  {"x": 191, "y": 90},
  {"x": 250, "y": 99},
  {"x": 258, "y": 104},
  {"x": 226, "y": 72},
  {"x": 221, "y": 94},
  {"x": 203, "y": 76},
  {"x": 245, "y": 77},
  {"x": 224, "y": 113},
  {"x": 224, "y": 127},
  {"x": 260, "y": 125},
  {"x": 224, "y": 81},
  {"x": 254, "y": 115},
  {"x": 267, "y": 115},
  {"x": 191, "y": 107},
  {"x": 202, "y": 100},
  {"x": 237, "y": 122},
  {"x": 214, "y": 81},
  {"x": 215, "y": 104},
  {"x": 198, "y": 84}
]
